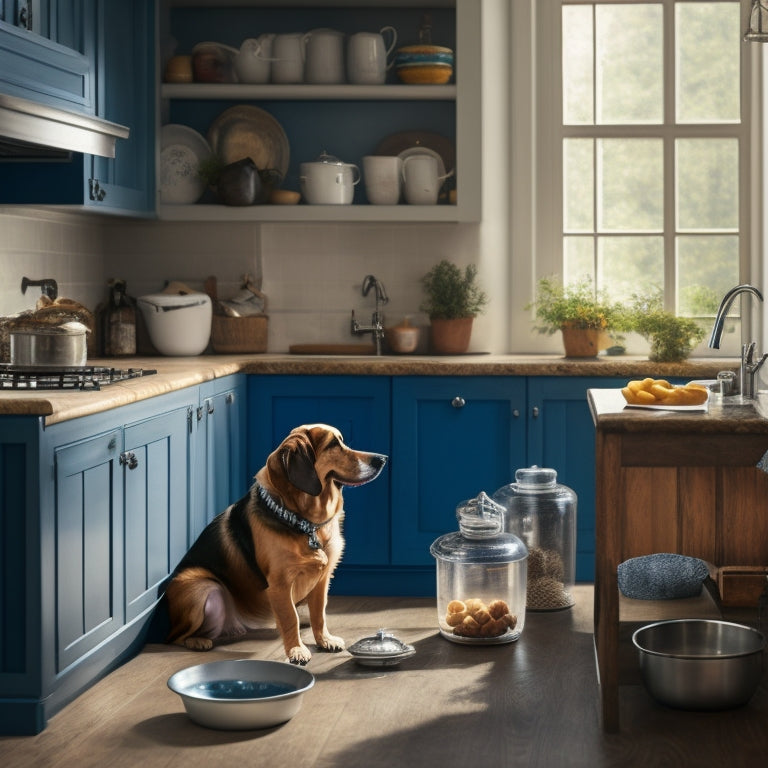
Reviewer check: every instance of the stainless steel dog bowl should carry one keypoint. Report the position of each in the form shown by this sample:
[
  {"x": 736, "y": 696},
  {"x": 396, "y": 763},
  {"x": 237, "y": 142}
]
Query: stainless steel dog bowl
[
  {"x": 700, "y": 663},
  {"x": 241, "y": 694}
]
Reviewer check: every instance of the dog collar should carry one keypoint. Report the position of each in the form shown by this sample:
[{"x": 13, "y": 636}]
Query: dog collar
[{"x": 291, "y": 519}]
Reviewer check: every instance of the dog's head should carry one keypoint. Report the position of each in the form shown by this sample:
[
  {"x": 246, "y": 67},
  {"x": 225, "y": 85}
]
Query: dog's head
[{"x": 314, "y": 458}]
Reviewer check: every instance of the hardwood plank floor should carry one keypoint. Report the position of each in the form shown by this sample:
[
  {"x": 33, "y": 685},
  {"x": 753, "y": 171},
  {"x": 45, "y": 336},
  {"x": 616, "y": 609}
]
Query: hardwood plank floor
[{"x": 531, "y": 703}]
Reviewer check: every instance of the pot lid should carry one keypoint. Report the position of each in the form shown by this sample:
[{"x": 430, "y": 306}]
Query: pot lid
[
  {"x": 72, "y": 328},
  {"x": 327, "y": 159},
  {"x": 382, "y": 647}
]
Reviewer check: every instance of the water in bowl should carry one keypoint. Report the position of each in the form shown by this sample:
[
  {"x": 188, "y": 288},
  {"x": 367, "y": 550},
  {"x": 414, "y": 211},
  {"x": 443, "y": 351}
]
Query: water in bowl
[{"x": 241, "y": 689}]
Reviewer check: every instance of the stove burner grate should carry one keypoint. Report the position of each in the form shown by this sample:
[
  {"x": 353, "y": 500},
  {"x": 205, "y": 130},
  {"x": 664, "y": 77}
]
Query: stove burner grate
[{"x": 20, "y": 377}]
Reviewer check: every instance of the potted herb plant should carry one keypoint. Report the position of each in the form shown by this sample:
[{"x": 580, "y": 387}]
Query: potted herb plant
[
  {"x": 453, "y": 298},
  {"x": 672, "y": 338},
  {"x": 584, "y": 316}
]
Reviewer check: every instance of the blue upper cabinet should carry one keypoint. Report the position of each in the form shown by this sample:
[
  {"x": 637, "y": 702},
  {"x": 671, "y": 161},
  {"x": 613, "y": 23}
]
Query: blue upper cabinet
[
  {"x": 89, "y": 57},
  {"x": 47, "y": 50}
]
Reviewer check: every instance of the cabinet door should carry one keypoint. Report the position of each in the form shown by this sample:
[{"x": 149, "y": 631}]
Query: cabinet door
[
  {"x": 155, "y": 463},
  {"x": 561, "y": 436},
  {"x": 356, "y": 405},
  {"x": 452, "y": 437},
  {"x": 125, "y": 95},
  {"x": 88, "y": 542},
  {"x": 223, "y": 415}
]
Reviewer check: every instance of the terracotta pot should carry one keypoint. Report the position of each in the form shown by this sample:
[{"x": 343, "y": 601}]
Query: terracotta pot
[
  {"x": 581, "y": 342},
  {"x": 450, "y": 337}
]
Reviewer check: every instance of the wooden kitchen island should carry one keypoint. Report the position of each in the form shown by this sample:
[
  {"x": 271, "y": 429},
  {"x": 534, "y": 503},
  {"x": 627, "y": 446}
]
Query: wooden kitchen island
[{"x": 671, "y": 481}]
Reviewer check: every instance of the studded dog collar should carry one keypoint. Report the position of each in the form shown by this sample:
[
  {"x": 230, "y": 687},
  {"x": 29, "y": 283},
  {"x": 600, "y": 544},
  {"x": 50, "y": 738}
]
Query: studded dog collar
[{"x": 291, "y": 519}]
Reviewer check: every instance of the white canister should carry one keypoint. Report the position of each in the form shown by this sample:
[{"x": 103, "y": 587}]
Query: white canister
[
  {"x": 177, "y": 324},
  {"x": 328, "y": 181},
  {"x": 324, "y": 57},
  {"x": 383, "y": 179},
  {"x": 367, "y": 55},
  {"x": 288, "y": 54},
  {"x": 253, "y": 63}
]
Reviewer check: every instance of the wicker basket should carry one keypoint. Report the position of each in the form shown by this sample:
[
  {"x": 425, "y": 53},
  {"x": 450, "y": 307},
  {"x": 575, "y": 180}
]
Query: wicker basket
[{"x": 239, "y": 334}]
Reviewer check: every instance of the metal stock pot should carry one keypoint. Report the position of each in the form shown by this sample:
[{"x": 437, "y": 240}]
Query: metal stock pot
[{"x": 48, "y": 346}]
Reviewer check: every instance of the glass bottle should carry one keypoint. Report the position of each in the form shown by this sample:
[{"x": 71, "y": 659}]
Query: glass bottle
[
  {"x": 481, "y": 572},
  {"x": 543, "y": 514}
]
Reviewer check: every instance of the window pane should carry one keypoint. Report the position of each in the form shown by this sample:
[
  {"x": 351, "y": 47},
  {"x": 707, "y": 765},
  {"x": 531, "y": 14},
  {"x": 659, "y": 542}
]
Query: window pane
[
  {"x": 578, "y": 77},
  {"x": 578, "y": 259},
  {"x": 630, "y": 265},
  {"x": 630, "y": 189},
  {"x": 707, "y": 183},
  {"x": 707, "y": 267},
  {"x": 708, "y": 40},
  {"x": 629, "y": 63},
  {"x": 578, "y": 185}
]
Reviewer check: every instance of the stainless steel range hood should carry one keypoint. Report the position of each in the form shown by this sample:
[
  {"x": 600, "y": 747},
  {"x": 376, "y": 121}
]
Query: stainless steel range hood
[{"x": 26, "y": 125}]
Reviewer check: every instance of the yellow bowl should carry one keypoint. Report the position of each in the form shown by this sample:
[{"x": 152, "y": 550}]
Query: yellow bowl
[{"x": 427, "y": 74}]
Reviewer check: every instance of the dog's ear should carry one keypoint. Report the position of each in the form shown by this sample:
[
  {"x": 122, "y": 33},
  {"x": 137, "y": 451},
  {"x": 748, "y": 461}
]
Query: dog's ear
[{"x": 298, "y": 457}]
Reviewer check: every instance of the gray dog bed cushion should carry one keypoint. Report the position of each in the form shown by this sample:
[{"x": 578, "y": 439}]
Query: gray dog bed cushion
[{"x": 662, "y": 576}]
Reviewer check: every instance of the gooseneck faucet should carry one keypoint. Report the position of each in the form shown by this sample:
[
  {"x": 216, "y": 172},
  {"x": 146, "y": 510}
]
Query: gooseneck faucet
[
  {"x": 376, "y": 328},
  {"x": 749, "y": 368}
]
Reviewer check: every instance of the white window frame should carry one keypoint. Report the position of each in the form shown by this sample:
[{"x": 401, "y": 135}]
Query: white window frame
[{"x": 536, "y": 150}]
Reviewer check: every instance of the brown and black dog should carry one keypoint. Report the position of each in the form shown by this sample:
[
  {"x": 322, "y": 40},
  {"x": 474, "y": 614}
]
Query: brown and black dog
[{"x": 275, "y": 548}]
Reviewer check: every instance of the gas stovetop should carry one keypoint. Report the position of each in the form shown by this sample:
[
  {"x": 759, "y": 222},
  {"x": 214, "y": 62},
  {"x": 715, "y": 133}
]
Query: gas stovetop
[{"x": 82, "y": 377}]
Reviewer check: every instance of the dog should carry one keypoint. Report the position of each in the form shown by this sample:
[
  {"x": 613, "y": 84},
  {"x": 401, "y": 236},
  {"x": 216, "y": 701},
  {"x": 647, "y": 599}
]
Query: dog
[{"x": 273, "y": 549}]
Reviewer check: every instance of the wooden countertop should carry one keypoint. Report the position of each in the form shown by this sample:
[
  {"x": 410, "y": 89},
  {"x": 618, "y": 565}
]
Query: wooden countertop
[
  {"x": 175, "y": 373},
  {"x": 730, "y": 416}
]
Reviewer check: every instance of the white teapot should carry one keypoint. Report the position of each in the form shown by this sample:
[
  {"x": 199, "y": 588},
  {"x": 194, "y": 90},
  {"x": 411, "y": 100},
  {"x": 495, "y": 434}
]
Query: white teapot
[{"x": 253, "y": 63}]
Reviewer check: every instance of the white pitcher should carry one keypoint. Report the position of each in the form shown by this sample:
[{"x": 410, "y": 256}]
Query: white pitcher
[
  {"x": 422, "y": 179},
  {"x": 325, "y": 56},
  {"x": 288, "y": 53},
  {"x": 367, "y": 56},
  {"x": 253, "y": 62}
]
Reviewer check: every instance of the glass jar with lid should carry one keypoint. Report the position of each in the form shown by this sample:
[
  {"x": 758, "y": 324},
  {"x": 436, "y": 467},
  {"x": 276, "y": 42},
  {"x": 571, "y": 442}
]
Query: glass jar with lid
[
  {"x": 543, "y": 514},
  {"x": 481, "y": 573}
]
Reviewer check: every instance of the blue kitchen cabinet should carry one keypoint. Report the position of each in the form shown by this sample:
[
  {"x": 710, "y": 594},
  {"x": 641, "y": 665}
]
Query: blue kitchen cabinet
[
  {"x": 118, "y": 58},
  {"x": 452, "y": 437},
  {"x": 359, "y": 406},
  {"x": 93, "y": 517},
  {"x": 221, "y": 477}
]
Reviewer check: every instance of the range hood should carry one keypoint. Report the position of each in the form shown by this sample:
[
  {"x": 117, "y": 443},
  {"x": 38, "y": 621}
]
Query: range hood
[{"x": 27, "y": 128}]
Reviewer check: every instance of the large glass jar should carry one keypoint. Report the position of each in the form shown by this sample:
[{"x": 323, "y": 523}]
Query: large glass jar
[
  {"x": 481, "y": 573},
  {"x": 543, "y": 514}
]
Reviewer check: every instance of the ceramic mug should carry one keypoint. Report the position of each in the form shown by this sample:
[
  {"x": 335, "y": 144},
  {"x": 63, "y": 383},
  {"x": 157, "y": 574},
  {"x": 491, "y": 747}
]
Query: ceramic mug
[
  {"x": 325, "y": 56},
  {"x": 383, "y": 180},
  {"x": 367, "y": 56},
  {"x": 288, "y": 58},
  {"x": 422, "y": 179},
  {"x": 253, "y": 62}
]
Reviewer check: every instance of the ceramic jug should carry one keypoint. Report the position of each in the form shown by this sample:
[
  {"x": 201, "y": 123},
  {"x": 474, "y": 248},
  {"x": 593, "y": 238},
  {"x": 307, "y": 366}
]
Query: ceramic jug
[
  {"x": 253, "y": 62},
  {"x": 367, "y": 56},
  {"x": 324, "y": 57},
  {"x": 288, "y": 52}
]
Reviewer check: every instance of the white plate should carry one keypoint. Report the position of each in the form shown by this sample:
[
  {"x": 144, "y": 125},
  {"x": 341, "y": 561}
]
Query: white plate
[
  {"x": 703, "y": 407},
  {"x": 425, "y": 151},
  {"x": 182, "y": 149}
]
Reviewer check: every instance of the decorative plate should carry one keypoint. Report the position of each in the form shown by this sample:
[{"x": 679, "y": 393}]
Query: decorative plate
[
  {"x": 409, "y": 140},
  {"x": 247, "y": 131},
  {"x": 182, "y": 149}
]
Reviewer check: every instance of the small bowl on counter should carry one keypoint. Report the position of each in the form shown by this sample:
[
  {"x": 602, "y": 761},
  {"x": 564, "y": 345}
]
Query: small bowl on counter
[
  {"x": 700, "y": 664},
  {"x": 242, "y": 694}
]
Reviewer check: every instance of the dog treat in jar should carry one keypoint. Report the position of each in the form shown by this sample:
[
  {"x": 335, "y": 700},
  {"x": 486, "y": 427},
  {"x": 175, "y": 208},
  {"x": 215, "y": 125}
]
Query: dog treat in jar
[
  {"x": 481, "y": 577},
  {"x": 543, "y": 514}
]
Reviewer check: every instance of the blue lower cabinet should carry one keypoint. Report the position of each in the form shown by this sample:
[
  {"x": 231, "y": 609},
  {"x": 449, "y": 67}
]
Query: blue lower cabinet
[{"x": 359, "y": 406}]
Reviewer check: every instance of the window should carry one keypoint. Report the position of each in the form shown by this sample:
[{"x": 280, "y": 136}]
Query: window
[{"x": 649, "y": 165}]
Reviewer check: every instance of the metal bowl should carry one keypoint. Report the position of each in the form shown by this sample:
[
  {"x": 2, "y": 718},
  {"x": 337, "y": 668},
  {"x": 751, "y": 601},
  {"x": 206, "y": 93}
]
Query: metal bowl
[
  {"x": 241, "y": 694},
  {"x": 700, "y": 663}
]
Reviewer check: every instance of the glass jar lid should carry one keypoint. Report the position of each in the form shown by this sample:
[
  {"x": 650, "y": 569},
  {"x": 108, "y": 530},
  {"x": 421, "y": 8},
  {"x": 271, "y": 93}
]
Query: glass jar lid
[
  {"x": 324, "y": 157},
  {"x": 381, "y": 649},
  {"x": 480, "y": 538}
]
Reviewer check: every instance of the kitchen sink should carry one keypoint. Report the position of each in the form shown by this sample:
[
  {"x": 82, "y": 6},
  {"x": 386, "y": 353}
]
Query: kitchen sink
[{"x": 332, "y": 349}]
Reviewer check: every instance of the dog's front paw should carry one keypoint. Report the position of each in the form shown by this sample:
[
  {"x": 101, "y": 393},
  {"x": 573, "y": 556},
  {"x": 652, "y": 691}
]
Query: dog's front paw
[
  {"x": 331, "y": 643},
  {"x": 300, "y": 655},
  {"x": 198, "y": 643}
]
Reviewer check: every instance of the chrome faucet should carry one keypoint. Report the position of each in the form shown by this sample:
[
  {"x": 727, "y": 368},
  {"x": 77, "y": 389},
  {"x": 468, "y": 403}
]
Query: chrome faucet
[
  {"x": 749, "y": 368},
  {"x": 376, "y": 328}
]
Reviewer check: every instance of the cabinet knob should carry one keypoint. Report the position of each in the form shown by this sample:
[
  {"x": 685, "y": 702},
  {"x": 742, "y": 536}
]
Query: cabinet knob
[
  {"x": 209, "y": 405},
  {"x": 95, "y": 190},
  {"x": 516, "y": 413},
  {"x": 25, "y": 16},
  {"x": 458, "y": 402},
  {"x": 128, "y": 458},
  {"x": 535, "y": 411},
  {"x": 230, "y": 398}
]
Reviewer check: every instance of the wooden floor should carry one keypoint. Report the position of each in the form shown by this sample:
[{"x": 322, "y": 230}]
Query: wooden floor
[{"x": 531, "y": 703}]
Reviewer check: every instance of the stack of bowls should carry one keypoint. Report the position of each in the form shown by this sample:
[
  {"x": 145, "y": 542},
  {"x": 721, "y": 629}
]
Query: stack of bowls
[{"x": 424, "y": 64}]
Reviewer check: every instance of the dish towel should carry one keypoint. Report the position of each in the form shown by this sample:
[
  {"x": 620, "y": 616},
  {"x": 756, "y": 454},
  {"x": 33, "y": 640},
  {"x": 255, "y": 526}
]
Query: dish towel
[{"x": 662, "y": 576}]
